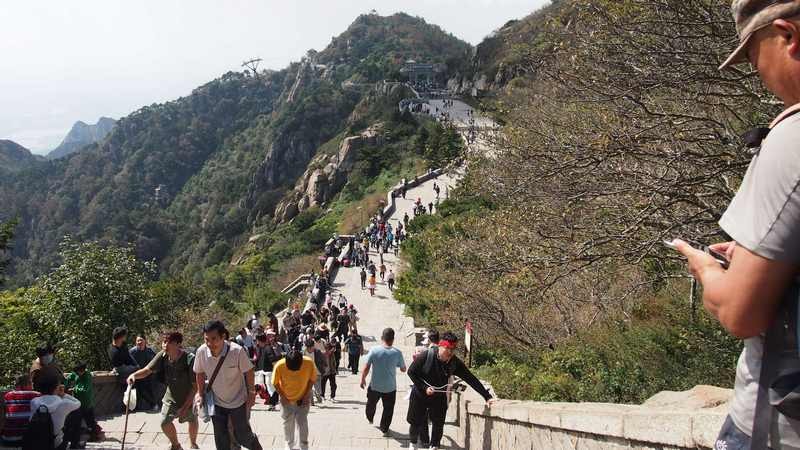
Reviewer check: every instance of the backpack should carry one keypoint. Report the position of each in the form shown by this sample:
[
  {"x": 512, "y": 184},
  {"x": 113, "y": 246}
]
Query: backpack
[{"x": 39, "y": 435}]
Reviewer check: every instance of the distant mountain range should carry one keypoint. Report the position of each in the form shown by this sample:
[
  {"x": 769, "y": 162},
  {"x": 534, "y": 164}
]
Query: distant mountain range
[
  {"x": 14, "y": 157},
  {"x": 186, "y": 181},
  {"x": 81, "y": 135}
]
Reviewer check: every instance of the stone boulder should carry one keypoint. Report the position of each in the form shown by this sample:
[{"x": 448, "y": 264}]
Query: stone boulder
[
  {"x": 326, "y": 175},
  {"x": 698, "y": 397}
]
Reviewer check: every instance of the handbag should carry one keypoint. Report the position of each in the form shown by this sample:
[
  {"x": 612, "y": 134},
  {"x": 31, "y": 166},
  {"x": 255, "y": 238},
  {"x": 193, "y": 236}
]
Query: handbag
[{"x": 207, "y": 408}]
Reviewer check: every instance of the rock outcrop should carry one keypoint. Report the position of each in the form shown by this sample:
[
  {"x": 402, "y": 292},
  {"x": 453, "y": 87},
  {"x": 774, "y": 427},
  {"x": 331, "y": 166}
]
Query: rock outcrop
[
  {"x": 326, "y": 175},
  {"x": 81, "y": 135}
]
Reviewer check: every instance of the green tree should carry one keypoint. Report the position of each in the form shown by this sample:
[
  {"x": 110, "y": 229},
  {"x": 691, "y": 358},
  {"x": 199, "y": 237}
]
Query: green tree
[
  {"x": 95, "y": 289},
  {"x": 6, "y": 234}
]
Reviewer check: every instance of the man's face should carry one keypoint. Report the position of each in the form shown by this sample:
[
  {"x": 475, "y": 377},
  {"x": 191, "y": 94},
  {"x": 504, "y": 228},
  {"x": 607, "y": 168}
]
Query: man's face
[
  {"x": 141, "y": 343},
  {"x": 445, "y": 353},
  {"x": 214, "y": 341},
  {"x": 772, "y": 51},
  {"x": 168, "y": 346}
]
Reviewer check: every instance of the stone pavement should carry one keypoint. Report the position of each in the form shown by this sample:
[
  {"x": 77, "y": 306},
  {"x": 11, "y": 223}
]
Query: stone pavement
[{"x": 332, "y": 426}]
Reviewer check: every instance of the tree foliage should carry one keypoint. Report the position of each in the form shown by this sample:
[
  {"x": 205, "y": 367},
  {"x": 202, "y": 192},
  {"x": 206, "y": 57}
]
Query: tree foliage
[
  {"x": 95, "y": 289},
  {"x": 619, "y": 132}
]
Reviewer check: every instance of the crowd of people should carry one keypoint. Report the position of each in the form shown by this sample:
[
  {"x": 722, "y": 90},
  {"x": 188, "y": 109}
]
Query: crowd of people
[{"x": 290, "y": 363}]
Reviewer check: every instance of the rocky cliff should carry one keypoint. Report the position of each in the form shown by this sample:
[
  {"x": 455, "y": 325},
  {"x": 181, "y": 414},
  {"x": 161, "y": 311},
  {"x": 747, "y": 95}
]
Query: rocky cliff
[
  {"x": 81, "y": 135},
  {"x": 326, "y": 175}
]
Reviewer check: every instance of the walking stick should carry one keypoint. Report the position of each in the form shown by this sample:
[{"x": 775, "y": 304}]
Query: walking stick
[
  {"x": 125, "y": 428},
  {"x": 126, "y": 399}
]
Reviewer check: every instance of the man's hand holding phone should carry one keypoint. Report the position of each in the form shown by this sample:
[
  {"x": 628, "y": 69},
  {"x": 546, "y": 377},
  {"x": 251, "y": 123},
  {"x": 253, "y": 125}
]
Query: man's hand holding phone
[{"x": 703, "y": 263}]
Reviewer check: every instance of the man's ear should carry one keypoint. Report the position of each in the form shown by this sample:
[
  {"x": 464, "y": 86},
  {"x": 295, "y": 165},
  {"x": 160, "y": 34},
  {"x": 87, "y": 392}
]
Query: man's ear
[{"x": 790, "y": 36}]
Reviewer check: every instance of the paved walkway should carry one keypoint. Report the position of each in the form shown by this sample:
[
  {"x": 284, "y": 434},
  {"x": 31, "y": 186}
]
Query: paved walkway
[{"x": 333, "y": 426}]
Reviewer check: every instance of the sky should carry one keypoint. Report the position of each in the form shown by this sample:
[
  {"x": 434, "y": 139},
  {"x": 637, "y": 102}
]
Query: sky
[{"x": 64, "y": 61}]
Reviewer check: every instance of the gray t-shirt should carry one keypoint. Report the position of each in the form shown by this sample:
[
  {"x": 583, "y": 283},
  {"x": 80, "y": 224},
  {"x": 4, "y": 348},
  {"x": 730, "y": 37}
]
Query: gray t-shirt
[{"x": 764, "y": 217}]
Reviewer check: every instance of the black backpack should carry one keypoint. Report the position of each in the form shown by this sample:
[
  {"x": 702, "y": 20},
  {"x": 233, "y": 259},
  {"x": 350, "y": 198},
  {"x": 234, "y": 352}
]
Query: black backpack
[{"x": 39, "y": 435}]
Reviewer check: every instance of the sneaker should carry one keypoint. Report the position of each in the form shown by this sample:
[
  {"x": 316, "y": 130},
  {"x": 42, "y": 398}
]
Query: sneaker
[
  {"x": 412, "y": 446},
  {"x": 434, "y": 448},
  {"x": 271, "y": 408},
  {"x": 333, "y": 400},
  {"x": 386, "y": 433},
  {"x": 194, "y": 446}
]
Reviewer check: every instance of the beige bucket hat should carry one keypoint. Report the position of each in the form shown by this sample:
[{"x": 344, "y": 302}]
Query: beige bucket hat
[{"x": 753, "y": 15}]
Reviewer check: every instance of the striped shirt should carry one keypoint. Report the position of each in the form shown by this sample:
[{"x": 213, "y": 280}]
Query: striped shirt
[{"x": 18, "y": 414}]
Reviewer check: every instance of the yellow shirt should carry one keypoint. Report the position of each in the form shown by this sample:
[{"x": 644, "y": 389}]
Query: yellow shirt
[{"x": 293, "y": 382}]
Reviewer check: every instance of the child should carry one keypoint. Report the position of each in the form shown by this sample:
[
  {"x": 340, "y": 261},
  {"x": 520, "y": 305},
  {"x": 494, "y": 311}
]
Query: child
[
  {"x": 18, "y": 411},
  {"x": 371, "y": 284},
  {"x": 79, "y": 384}
]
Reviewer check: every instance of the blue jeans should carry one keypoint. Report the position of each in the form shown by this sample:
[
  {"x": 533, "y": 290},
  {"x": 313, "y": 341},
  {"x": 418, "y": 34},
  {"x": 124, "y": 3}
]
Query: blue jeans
[{"x": 731, "y": 437}]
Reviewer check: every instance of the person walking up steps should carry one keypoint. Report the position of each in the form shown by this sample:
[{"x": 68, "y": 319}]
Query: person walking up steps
[
  {"x": 355, "y": 346},
  {"x": 329, "y": 375},
  {"x": 382, "y": 361},
  {"x": 363, "y": 275},
  {"x": 372, "y": 284},
  {"x": 390, "y": 280},
  {"x": 173, "y": 365},
  {"x": 293, "y": 378},
  {"x": 430, "y": 373},
  {"x": 233, "y": 390},
  {"x": 383, "y": 271}
]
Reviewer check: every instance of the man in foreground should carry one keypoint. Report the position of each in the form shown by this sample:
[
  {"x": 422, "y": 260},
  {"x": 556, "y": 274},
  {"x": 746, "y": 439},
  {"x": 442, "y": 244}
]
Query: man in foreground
[
  {"x": 382, "y": 361},
  {"x": 754, "y": 295},
  {"x": 174, "y": 366},
  {"x": 293, "y": 378},
  {"x": 231, "y": 382},
  {"x": 430, "y": 373}
]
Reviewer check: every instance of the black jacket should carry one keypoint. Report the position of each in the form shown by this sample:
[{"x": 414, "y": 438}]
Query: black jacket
[{"x": 439, "y": 373}]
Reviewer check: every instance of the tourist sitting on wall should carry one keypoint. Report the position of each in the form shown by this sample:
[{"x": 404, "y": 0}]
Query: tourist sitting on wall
[
  {"x": 45, "y": 364},
  {"x": 121, "y": 360},
  {"x": 80, "y": 384},
  {"x": 143, "y": 354}
]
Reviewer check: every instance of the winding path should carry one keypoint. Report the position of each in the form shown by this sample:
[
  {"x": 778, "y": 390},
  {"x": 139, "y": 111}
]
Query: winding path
[{"x": 333, "y": 426}]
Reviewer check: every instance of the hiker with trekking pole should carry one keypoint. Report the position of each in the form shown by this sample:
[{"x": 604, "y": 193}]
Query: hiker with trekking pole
[{"x": 430, "y": 372}]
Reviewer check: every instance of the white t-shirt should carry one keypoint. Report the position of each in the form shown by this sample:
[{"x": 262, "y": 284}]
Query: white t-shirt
[
  {"x": 59, "y": 408},
  {"x": 229, "y": 387},
  {"x": 764, "y": 218}
]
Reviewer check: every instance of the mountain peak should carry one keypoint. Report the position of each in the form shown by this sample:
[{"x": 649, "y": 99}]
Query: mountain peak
[{"x": 81, "y": 135}]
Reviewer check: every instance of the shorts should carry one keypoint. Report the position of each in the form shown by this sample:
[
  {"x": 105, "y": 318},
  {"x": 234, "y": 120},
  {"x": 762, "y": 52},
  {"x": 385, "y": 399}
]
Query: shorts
[{"x": 169, "y": 412}]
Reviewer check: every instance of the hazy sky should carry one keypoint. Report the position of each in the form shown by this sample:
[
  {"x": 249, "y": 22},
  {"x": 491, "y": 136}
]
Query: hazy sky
[{"x": 63, "y": 61}]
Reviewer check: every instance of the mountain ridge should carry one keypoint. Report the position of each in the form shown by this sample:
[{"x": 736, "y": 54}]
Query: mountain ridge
[
  {"x": 82, "y": 134},
  {"x": 220, "y": 158}
]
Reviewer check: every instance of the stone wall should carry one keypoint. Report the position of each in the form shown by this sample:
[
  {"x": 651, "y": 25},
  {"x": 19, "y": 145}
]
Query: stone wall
[
  {"x": 670, "y": 420},
  {"x": 107, "y": 394}
]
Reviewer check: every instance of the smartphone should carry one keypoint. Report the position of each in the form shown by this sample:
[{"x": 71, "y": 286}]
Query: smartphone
[{"x": 721, "y": 259}]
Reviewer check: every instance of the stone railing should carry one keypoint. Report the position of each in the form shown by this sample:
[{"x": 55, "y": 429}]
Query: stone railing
[
  {"x": 393, "y": 193},
  {"x": 674, "y": 420}
]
